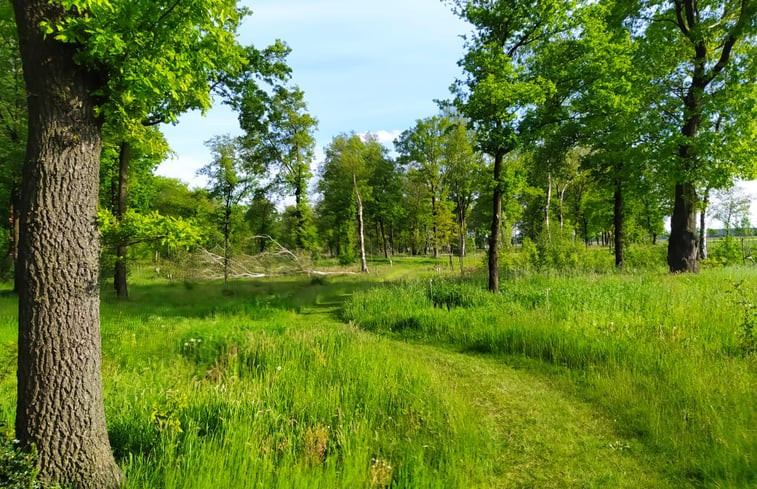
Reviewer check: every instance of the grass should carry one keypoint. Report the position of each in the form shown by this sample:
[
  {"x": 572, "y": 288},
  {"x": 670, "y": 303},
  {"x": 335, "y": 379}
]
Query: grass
[
  {"x": 589, "y": 381},
  {"x": 659, "y": 353}
]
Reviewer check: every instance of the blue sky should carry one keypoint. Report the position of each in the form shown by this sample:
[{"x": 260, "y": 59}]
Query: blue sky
[{"x": 365, "y": 66}]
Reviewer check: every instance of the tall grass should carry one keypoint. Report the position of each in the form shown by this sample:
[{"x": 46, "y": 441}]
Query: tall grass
[
  {"x": 255, "y": 386},
  {"x": 658, "y": 353}
]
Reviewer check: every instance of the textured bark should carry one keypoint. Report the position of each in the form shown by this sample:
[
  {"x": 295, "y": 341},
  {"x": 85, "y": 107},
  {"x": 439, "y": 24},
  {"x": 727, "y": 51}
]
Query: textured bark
[
  {"x": 120, "y": 205},
  {"x": 682, "y": 246},
  {"x": 60, "y": 402},
  {"x": 494, "y": 231}
]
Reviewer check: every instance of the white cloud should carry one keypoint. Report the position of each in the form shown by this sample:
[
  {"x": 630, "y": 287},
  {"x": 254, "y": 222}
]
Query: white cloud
[
  {"x": 184, "y": 167},
  {"x": 383, "y": 136}
]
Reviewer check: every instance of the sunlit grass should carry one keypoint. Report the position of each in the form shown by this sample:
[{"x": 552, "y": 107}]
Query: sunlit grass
[{"x": 659, "y": 353}]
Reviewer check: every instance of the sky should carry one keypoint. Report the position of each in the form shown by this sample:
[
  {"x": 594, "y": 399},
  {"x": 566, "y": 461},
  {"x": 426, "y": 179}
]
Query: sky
[{"x": 365, "y": 66}]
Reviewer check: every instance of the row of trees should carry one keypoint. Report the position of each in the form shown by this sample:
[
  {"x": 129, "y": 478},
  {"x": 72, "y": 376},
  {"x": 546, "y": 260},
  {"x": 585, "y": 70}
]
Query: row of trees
[{"x": 650, "y": 91}]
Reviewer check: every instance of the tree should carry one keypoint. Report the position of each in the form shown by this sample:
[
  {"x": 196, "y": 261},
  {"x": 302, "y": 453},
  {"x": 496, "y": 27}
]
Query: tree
[
  {"x": 423, "y": 150},
  {"x": 385, "y": 208},
  {"x": 78, "y": 66},
  {"x": 129, "y": 161},
  {"x": 229, "y": 182},
  {"x": 344, "y": 185},
  {"x": 701, "y": 54},
  {"x": 496, "y": 85},
  {"x": 282, "y": 137},
  {"x": 731, "y": 207}
]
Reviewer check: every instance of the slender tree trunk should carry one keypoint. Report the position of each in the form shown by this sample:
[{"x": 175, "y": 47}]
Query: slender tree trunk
[
  {"x": 494, "y": 231},
  {"x": 391, "y": 237},
  {"x": 560, "y": 205},
  {"x": 548, "y": 204},
  {"x": 60, "y": 402},
  {"x": 226, "y": 234},
  {"x": 703, "y": 225},
  {"x": 119, "y": 275},
  {"x": 461, "y": 237},
  {"x": 433, "y": 224},
  {"x": 618, "y": 223},
  {"x": 15, "y": 225},
  {"x": 383, "y": 239},
  {"x": 299, "y": 216},
  {"x": 361, "y": 227}
]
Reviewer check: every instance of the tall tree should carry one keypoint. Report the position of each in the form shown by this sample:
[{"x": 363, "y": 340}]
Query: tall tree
[
  {"x": 78, "y": 66},
  {"x": 496, "y": 84},
  {"x": 423, "y": 149},
  {"x": 230, "y": 182},
  {"x": 126, "y": 169},
  {"x": 344, "y": 182},
  {"x": 700, "y": 53},
  {"x": 280, "y": 134}
]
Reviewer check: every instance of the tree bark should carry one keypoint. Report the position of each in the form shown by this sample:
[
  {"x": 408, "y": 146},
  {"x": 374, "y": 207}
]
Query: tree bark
[
  {"x": 618, "y": 223},
  {"x": 682, "y": 246},
  {"x": 434, "y": 218},
  {"x": 494, "y": 231},
  {"x": 15, "y": 229},
  {"x": 119, "y": 274},
  {"x": 60, "y": 402},
  {"x": 361, "y": 227},
  {"x": 548, "y": 204},
  {"x": 703, "y": 225},
  {"x": 383, "y": 239}
]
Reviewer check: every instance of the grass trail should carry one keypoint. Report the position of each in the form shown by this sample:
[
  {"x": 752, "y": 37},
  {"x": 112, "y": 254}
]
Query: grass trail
[{"x": 543, "y": 437}]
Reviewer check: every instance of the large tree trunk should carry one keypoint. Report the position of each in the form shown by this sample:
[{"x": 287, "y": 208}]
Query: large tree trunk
[
  {"x": 618, "y": 223},
  {"x": 682, "y": 246},
  {"x": 119, "y": 274},
  {"x": 361, "y": 227},
  {"x": 60, "y": 403},
  {"x": 494, "y": 231}
]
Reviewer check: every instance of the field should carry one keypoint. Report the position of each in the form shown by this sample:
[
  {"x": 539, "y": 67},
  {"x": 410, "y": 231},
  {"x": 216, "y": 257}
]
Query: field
[{"x": 409, "y": 377}]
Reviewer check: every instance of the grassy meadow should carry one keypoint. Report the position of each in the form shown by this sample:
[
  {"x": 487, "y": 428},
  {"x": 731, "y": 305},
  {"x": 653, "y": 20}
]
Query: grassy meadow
[{"x": 409, "y": 377}]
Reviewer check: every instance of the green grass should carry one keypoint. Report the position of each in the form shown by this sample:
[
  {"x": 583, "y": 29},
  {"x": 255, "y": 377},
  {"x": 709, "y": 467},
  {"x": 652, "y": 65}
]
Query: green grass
[
  {"x": 659, "y": 353},
  {"x": 614, "y": 381}
]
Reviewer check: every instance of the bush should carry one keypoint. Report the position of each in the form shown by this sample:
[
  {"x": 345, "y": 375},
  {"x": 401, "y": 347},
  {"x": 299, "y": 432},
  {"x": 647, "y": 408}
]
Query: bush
[
  {"x": 18, "y": 468},
  {"x": 726, "y": 251}
]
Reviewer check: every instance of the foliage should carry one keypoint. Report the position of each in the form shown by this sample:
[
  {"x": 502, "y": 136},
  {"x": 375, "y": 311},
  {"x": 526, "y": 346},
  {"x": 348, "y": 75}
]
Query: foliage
[
  {"x": 167, "y": 231},
  {"x": 747, "y": 333},
  {"x": 161, "y": 57},
  {"x": 18, "y": 468}
]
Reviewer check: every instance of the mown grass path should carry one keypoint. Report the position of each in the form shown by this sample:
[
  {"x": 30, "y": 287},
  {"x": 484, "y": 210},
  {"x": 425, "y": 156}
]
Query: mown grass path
[{"x": 545, "y": 438}]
